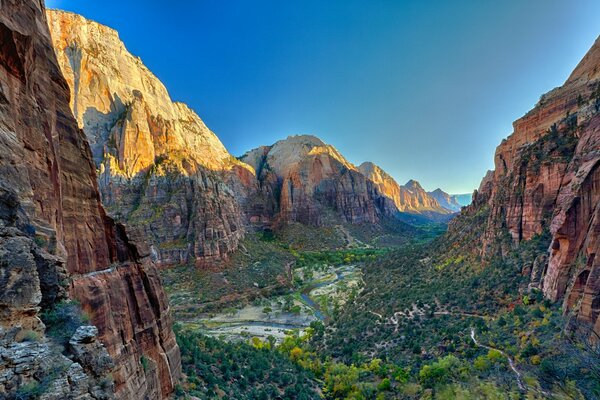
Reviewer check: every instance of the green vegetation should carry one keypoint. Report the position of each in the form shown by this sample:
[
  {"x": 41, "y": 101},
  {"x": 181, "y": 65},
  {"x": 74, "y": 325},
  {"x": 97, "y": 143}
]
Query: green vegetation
[
  {"x": 310, "y": 259},
  {"x": 144, "y": 362},
  {"x": 260, "y": 268},
  {"x": 217, "y": 369},
  {"x": 556, "y": 146},
  {"x": 62, "y": 320}
]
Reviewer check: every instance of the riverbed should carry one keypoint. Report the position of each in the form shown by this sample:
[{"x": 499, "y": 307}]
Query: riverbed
[{"x": 314, "y": 300}]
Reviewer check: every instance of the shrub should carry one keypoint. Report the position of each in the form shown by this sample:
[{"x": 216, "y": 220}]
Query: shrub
[
  {"x": 62, "y": 320},
  {"x": 384, "y": 385},
  {"x": 144, "y": 362},
  {"x": 28, "y": 336}
]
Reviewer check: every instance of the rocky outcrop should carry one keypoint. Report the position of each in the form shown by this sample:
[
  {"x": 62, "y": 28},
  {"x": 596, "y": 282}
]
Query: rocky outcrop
[
  {"x": 410, "y": 198},
  {"x": 547, "y": 179},
  {"x": 313, "y": 183},
  {"x": 31, "y": 367},
  {"x": 446, "y": 200},
  {"x": 161, "y": 169},
  {"x": 57, "y": 242}
]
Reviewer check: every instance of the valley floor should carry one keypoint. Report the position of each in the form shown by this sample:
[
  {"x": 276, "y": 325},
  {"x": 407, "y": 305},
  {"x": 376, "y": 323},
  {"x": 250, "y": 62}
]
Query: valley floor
[
  {"x": 411, "y": 322},
  {"x": 274, "y": 316}
]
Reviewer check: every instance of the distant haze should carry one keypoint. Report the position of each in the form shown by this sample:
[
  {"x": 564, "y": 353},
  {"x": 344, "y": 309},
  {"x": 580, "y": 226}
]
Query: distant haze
[{"x": 425, "y": 89}]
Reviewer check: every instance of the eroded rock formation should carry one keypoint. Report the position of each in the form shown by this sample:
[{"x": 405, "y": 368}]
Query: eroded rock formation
[
  {"x": 56, "y": 240},
  {"x": 547, "y": 179},
  {"x": 161, "y": 169},
  {"x": 312, "y": 181},
  {"x": 411, "y": 198}
]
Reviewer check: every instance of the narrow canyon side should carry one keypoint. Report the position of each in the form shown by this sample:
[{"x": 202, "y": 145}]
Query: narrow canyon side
[
  {"x": 546, "y": 183},
  {"x": 57, "y": 243},
  {"x": 160, "y": 168}
]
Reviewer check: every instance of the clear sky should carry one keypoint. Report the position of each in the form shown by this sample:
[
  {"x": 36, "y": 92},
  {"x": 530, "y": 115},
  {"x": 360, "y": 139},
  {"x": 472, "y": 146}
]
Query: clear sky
[{"x": 424, "y": 88}]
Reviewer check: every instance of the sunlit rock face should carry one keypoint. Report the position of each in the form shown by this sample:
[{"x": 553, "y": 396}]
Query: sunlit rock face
[
  {"x": 410, "y": 198},
  {"x": 160, "y": 168},
  {"x": 311, "y": 182},
  {"x": 447, "y": 201},
  {"x": 56, "y": 240},
  {"x": 547, "y": 177}
]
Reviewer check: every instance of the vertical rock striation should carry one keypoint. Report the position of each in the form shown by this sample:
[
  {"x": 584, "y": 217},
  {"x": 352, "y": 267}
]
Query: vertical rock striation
[
  {"x": 50, "y": 206},
  {"x": 310, "y": 180},
  {"x": 547, "y": 179},
  {"x": 161, "y": 169}
]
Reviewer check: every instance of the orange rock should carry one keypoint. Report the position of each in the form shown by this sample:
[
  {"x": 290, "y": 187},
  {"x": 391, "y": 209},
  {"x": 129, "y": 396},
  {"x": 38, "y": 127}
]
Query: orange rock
[{"x": 46, "y": 160}]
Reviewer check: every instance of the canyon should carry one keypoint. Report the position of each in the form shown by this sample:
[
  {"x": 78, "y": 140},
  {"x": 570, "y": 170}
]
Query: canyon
[
  {"x": 112, "y": 194},
  {"x": 162, "y": 171},
  {"x": 546, "y": 182}
]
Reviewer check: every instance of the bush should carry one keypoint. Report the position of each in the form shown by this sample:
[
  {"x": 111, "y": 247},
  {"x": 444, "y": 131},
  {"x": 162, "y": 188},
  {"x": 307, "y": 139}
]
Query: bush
[
  {"x": 384, "y": 385},
  {"x": 62, "y": 321}
]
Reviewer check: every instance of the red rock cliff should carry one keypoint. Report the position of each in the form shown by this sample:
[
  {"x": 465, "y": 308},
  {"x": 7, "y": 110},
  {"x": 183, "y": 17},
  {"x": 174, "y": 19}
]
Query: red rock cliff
[
  {"x": 547, "y": 177},
  {"x": 46, "y": 161}
]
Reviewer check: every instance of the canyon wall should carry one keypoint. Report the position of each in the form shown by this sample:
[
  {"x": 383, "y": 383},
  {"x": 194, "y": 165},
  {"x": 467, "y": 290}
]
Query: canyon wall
[
  {"x": 314, "y": 184},
  {"x": 56, "y": 241},
  {"x": 411, "y": 198},
  {"x": 160, "y": 168},
  {"x": 547, "y": 181}
]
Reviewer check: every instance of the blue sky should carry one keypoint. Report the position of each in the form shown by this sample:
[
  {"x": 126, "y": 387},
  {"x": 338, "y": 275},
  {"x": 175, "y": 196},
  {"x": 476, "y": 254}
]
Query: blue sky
[{"x": 426, "y": 89}]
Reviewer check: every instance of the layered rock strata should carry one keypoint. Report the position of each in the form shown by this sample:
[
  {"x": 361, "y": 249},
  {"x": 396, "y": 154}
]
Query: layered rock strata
[
  {"x": 160, "y": 168},
  {"x": 547, "y": 179},
  {"x": 56, "y": 241}
]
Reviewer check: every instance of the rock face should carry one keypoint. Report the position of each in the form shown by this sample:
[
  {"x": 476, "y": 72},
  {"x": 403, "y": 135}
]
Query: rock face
[
  {"x": 447, "y": 201},
  {"x": 312, "y": 182},
  {"x": 55, "y": 239},
  {"x": 165, "y": 174},
  {"x": 547, "y": 179},
  {"x": 410, "y": 198},
  {"x": 161, "y": 169}
]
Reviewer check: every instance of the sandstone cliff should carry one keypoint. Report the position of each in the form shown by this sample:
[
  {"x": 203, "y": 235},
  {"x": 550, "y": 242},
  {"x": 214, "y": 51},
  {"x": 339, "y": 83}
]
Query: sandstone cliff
[
  {"x": 161, "y": 169},
  {"x": 57, "y": 242},
  {"x": 411, "y": 198},
  {"x": 547, "y": 180},
  {"x": 312, "y": 183},
  {"x": 447, "y": 201}
]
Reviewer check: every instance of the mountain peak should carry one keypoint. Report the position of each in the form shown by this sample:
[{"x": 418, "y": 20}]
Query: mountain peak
[
  {"x": 448, "y": 201},
  {"x": 413, "y": 184},
  {"x": 128, "y": 116},
  {"x": 305, "y": 139}
]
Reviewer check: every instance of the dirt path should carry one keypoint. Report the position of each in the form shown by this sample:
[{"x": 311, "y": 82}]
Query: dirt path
[
  {"x": 462, "y": 314},
  {"x": 351, "y": 241},
  {"x": 510, "y": 360}
]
